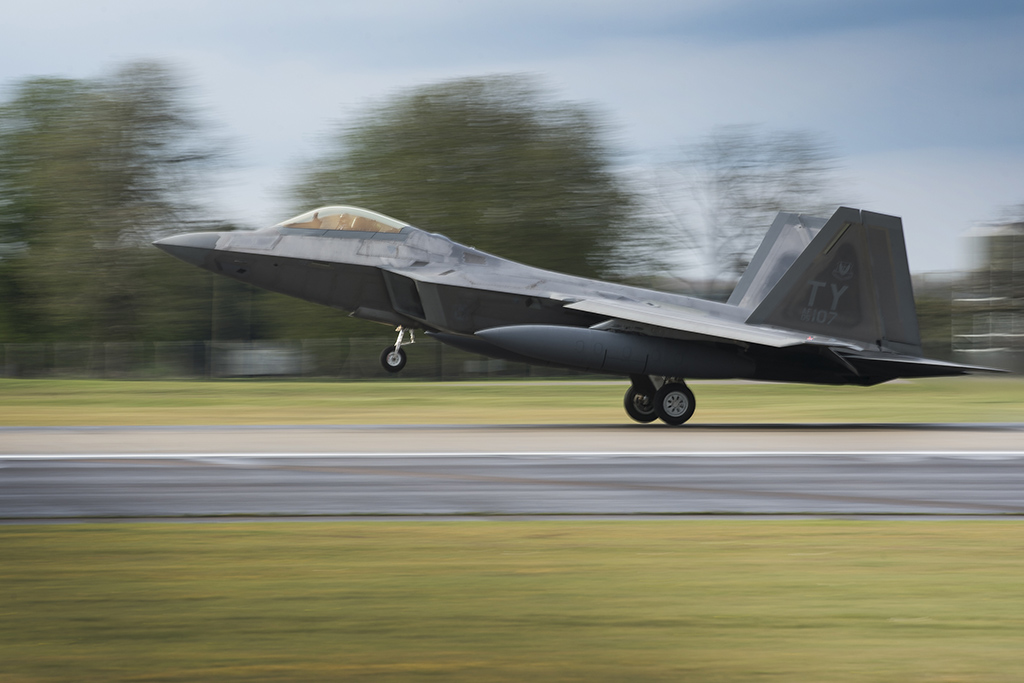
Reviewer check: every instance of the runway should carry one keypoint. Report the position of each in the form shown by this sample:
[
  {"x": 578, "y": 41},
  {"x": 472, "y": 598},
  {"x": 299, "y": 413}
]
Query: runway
[{"x": 137, "y": 473}]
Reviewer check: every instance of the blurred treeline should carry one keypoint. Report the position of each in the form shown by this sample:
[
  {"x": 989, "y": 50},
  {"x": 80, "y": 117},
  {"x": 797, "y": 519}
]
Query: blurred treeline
[{"x": 92, "y": 171}]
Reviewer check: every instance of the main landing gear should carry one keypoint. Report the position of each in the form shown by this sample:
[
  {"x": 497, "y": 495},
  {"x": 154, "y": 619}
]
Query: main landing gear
[
  {"x": 393, "y": 358},
  {"x": 659, "y": 398}
]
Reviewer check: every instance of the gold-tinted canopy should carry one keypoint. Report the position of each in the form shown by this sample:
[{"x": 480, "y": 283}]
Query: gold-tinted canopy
[{"x": 344, "y": 218}]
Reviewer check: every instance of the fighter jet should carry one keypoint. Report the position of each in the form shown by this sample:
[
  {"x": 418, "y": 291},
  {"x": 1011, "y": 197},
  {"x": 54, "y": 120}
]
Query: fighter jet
[{"x": 822, "y": 302}]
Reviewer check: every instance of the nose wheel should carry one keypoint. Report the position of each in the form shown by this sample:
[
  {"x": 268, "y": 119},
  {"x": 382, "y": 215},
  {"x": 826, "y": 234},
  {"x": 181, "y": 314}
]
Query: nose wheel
[{"x": 393, "y": 358}]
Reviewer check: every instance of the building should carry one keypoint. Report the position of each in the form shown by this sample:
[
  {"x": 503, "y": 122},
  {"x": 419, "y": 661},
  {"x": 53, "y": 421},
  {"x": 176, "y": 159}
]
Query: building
[{"x": 988, "y": 312}]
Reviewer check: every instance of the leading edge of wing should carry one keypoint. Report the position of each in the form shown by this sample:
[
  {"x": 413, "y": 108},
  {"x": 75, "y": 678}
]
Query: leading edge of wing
[{"x": 697, "y": 322}]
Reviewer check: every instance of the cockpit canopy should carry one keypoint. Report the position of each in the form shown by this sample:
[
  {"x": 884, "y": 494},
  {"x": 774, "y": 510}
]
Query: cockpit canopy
[{"x": 344, "y": 218}]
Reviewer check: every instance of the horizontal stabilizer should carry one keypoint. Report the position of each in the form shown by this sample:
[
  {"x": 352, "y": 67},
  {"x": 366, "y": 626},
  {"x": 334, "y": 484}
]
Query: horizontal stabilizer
[{"x": 872, "y": 364}]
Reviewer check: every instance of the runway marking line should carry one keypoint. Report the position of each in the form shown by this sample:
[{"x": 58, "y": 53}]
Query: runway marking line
[{"x": 972, "y": 455}]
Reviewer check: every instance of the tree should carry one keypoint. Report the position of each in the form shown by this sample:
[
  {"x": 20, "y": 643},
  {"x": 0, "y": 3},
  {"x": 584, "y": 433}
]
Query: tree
[
  {"x": 731, "y": 186},
  {"x": 494, "y": 162},
  {"x": 90, "y": 172}
]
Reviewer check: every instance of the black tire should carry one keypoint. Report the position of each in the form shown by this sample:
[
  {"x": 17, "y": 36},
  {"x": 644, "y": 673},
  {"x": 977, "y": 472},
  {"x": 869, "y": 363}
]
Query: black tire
[
  {"x": 392, "y": 359},
  {"x": 674, "y": 403},
  {"x": 639, "y": 407}
]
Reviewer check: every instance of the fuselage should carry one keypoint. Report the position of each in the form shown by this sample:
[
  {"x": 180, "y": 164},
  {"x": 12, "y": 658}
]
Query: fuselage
[
  {"x": 381, "y": 269},
  {"x": 396, "y": 274},
  {"x": 409, "y": 277}
]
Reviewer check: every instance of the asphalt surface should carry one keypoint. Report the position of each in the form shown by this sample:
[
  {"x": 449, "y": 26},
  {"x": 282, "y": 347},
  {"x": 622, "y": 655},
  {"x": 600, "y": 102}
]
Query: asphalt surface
[{"x": 399, "y": 470}]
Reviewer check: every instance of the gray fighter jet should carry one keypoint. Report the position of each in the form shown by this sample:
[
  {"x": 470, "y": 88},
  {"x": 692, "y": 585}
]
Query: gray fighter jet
[{"x": 823, "y": 302}]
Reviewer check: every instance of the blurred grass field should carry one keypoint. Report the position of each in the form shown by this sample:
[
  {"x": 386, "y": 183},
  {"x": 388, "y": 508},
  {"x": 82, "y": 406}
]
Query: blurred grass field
[
  {"x": 683, "y": 600},
  {"x": 240, "y": 402}
]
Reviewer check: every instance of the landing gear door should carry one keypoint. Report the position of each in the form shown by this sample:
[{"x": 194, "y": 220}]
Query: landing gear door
[{"x": 405, "y": 299}]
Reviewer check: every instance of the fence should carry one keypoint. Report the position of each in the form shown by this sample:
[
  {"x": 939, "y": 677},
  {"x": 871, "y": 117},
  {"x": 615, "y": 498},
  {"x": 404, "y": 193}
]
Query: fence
[
  {"x": 339, "y": 359},
  {"x": 343, "y": 359}
]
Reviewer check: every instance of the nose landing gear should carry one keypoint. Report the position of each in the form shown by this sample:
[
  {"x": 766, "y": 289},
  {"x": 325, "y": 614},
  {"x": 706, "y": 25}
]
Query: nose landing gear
[{"x": 393, "y": 358}]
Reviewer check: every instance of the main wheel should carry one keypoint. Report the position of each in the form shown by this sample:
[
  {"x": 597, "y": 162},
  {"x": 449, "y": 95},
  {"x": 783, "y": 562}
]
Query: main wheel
[
  {"x": 639, "y": 407},
  {"x": 392, "y": 359},
  {"x": 674, "y": 403}
]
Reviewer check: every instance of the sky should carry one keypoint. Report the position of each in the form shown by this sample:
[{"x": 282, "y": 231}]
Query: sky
[{"x": 922, "y": 100}]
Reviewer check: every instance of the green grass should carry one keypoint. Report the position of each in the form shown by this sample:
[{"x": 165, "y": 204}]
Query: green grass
[
  {"x": 88, "y": 402},
  {"x": 688, "y": 600}
]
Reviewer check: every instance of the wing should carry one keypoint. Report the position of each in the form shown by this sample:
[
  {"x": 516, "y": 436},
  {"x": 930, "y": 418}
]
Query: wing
[
  {"x": 858, "y": 364},
  {"x": 700, "y": 323}
]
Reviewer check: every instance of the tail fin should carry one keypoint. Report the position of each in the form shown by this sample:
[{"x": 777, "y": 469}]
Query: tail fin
[
  {"x": 851, "y": 281},
  {"x": 786, "y": 239}
]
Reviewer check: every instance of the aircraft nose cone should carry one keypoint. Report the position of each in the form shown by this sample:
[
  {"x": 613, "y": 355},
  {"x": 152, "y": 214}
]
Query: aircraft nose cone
[{"x": 191, "y": 247}]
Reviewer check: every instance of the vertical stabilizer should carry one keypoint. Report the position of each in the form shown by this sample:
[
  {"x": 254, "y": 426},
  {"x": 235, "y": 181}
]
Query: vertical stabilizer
[
  {"x": 785, "y": 241},
  {"x": 851, "y": 281}
]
